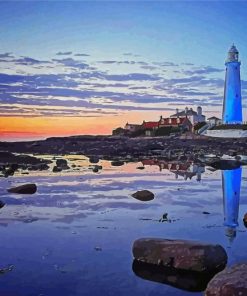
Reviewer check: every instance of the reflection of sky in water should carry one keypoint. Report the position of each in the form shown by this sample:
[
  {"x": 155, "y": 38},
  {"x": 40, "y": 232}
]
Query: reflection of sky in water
[{"x": 74, "y": 236}]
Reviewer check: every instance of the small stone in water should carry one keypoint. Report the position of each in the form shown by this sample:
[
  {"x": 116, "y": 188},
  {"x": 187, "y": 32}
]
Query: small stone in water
[
  {"x": 4, "y": 270},
  {"x": 98, "y": 249},
  {"x": 165, "y": 218},
  {"x": 143, "y": 195},
  {"x": 141, "y": 168}
]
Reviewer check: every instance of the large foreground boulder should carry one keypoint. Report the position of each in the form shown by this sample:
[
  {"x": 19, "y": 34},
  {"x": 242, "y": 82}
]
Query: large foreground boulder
[
  {"x": 180, "y": 254},
  {"x": 231, "y": 281},
  {"x": 24, "y": 189},
  {"x": 143, "y": 195}
]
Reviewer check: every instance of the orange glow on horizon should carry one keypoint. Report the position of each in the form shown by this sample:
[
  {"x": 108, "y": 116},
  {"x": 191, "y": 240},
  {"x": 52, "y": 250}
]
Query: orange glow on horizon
[{"x": 22, "y": 128}]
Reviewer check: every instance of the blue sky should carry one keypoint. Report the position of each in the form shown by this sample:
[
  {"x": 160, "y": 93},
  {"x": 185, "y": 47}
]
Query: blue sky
[
  {"x": 102, "y": 58},
  {"x": 198, "y": 32}
]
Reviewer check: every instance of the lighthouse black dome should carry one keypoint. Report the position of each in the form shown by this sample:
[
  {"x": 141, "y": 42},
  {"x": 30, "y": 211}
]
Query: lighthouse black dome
[{"x": 233, "y": 49}]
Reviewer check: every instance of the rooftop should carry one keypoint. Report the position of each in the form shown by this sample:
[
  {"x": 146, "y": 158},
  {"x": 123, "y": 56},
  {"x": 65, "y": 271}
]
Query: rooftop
[
  {"x": 213, "y": 117},
  {"x": 184, "y": 113}
]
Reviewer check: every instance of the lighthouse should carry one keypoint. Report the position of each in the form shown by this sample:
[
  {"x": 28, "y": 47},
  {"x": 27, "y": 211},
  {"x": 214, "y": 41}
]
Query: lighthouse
[{"x": 232, "y": 107}]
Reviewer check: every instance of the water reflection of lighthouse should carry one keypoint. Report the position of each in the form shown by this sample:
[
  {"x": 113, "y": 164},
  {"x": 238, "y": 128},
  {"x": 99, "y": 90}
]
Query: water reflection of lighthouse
[{"x": 231, "y": 184}]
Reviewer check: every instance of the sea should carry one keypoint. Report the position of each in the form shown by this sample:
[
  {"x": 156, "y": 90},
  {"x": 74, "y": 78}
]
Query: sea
[{"x": 74, "y": 236}]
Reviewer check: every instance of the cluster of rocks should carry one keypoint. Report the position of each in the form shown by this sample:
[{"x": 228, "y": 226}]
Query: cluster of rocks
[
  {"x": 120, "y": 150},
  {"x": 123, "y": 148},
  {"x": 187, "y": 265},
  {"x": 10, "y": 163}
]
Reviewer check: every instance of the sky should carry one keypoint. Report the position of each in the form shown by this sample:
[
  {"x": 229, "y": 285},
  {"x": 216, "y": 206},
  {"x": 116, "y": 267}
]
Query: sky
[{"x": 77, "y": 67}]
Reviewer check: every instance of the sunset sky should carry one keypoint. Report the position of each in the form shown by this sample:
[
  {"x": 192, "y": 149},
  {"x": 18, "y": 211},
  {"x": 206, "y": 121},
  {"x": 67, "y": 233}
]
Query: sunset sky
[{"x": 69, "y": 68}]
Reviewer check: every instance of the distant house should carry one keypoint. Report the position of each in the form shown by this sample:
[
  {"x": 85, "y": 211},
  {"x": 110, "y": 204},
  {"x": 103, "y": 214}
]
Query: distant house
[
  {"x": 214, "y": 120},
  {"x": 150, "y": 127},
  {"x": 181, "y": 122},
  {"x": 192, "y": 115},
  {"x": 132, "y": 127}
]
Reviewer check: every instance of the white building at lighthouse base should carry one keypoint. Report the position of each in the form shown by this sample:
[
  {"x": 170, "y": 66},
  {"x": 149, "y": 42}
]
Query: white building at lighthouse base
[{"x": 226, "y": 133}]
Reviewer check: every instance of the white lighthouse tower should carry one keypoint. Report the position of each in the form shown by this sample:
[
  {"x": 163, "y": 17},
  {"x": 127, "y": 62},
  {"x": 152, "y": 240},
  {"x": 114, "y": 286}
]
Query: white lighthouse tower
[{"x": 232, "y": 107}]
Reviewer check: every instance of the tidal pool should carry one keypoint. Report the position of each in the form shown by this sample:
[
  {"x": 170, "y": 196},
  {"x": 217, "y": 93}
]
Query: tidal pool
[{"x": 74, "y": 236}]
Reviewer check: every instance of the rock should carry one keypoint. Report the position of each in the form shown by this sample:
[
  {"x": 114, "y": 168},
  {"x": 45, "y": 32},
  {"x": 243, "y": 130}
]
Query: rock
[
  {"x": 62, "y": 163},
  {"x": 245, "y": 220},
  {"x": 143, "y": 195},
  {"x": 180, "y": 254},
  {"x": 95, "y": 170},
  {"x": 2, "y": 204},
  {"x": 99, "y": 167},
  {"x": 117, "y": 163},
  {"x": 229, "y": 282},
  {"x": 98, "y": 249},
  {"x": 56, "y": 169},
  {"x": 225, "y": 164},
  {"x": 24, "y": 189},
  {"x": 93, "y": 159},
  {"x": 141, "y": 168},
  {"x": 4, "y": 270},
  {"x": 182, "y": 158},
  {"x": 9, "y": 172},
  {"x": 164, "y": 218},
  {"x": 186, "y": 280},
  {"x": 38, "y": 167}
]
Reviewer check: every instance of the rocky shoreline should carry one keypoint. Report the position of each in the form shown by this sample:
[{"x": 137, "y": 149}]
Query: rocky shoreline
[
  {"x": 114, "y": 147},
  {"x": 118, "y": 150}
]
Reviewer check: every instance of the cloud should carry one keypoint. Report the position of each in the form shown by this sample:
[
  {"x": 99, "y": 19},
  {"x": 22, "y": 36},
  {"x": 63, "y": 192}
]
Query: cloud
[
  {"x": 6, "y": 55},
  {"x": 187, "y": 64},
  {"x": 131, "y": 54},
  {"x": 69, "y": 87},
  {"x": 190, "y": 92},
  {"x": 64, "y": 53},
  {"x": 117, "y": 62},
  {"x": 149, "y": 67},
  {"x": 107, "y": 62},
  {"x": 82, "y": 55},
  {"x": 133, "y": 77},
  {"x": 29, "y": 61},
  {"x": 30, "y": 111},
  {"x": 166, "y": 64},
  {"x": 69, "y": 62},
  {"x": 203, "y": 70}
]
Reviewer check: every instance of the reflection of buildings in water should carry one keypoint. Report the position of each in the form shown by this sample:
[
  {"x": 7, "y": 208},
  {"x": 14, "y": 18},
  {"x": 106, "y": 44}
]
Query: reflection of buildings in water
[
  {"x": 193, "y": 170},
  {"x": 231, "y": 185},
  {"x": 187, "y": 169}
]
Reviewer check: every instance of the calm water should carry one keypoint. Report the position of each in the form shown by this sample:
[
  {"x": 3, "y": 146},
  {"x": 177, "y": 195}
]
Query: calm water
[{"x": 75, "y": 235}]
